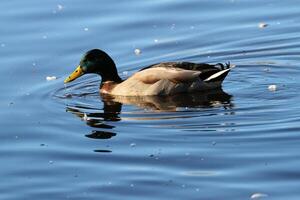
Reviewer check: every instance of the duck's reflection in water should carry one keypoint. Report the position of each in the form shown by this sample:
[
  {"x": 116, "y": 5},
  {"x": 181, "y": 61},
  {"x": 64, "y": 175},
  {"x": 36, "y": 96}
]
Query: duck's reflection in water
[
  {"x": 175, "y": 102},
  {"x": 112, "y": 106}
]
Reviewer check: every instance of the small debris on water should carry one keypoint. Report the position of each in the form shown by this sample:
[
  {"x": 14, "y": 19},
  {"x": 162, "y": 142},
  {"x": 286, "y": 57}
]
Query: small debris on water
[
  {"x": 68, "y": 96},
  {"x": 137, "y": 51},
  {"x": 51, "y": 78},
  {"x": 267, "y": 69},
  {"x": 214, "y": 143},
  {"x": 262, "y": 25},
  {"x": 132, "y": 145},
  {"x": 272, "y": 88},
  {"x": 258, "y": 195},
  {"x": 85, "y": 117}
]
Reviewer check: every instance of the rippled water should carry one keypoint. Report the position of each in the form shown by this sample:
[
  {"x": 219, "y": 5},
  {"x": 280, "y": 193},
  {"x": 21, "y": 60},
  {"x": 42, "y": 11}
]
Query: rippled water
[{"x": 68, "y": 142}]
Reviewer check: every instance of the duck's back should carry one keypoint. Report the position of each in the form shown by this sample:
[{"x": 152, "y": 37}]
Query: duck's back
[{"x": 172, "y": 78}]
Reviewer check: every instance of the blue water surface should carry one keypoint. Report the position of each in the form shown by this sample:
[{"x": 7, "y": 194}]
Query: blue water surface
[{"x": 68, "y": 142}]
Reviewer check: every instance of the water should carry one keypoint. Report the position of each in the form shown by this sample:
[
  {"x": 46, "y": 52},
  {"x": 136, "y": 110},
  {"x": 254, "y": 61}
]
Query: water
[{"x": 68, "y": 142}]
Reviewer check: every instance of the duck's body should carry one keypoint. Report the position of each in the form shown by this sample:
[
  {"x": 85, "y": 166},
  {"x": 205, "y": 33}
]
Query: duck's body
[{"x": 159, "y": 79}]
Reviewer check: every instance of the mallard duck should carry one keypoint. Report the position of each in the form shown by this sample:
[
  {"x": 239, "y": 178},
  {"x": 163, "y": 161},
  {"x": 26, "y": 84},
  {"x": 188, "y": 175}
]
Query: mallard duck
[{"x": 166, "y": 78}]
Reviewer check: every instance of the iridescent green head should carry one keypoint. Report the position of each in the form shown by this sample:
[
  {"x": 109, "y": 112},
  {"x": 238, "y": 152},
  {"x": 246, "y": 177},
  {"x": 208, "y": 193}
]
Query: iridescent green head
[{"x": 97, "y": 62}]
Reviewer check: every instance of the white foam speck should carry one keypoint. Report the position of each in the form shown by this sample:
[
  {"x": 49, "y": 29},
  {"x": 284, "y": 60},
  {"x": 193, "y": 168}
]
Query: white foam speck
[
  {"x": 258, "y": 195},
  {"x": 60, "y": 7},
  {"x": 51, "y": 78},
  {"x": 85, "y": 117},
  {"x": 86, "y": 29},
  {"x": 137, "y": 51},
  {"x": 262, "y": 25},
  {"x": 272, "y": 88}
]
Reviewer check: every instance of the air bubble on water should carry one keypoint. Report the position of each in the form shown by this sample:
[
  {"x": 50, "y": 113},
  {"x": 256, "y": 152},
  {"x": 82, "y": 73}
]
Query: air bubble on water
[
  {"x": 173, "y": 26},
  {"x": 60, "y": 7}
]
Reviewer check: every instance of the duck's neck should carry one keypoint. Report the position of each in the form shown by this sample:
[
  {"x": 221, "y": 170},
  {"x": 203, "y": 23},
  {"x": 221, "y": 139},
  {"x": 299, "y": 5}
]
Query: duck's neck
[
  {"x": 110, "y": 74},
  {"x": 111, "y": 77},
  {"x": 109, "y": 80}
]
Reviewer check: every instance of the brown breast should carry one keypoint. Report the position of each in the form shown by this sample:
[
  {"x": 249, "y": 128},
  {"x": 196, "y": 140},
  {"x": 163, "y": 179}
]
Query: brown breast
[{"x": 107, "y": 87}]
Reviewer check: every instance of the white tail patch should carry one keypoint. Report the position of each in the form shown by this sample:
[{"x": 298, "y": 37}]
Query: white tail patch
[{"x": 219, "y": 73}]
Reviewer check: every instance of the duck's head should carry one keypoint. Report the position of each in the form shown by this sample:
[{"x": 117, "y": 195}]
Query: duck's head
[{"x": 97, "y": 62}]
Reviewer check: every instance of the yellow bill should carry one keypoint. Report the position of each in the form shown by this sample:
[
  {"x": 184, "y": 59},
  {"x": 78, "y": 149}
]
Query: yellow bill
[{"x": 77, "y": 73}]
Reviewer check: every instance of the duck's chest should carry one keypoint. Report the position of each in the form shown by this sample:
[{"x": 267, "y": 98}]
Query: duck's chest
[{"x": 107, "y": 87}]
